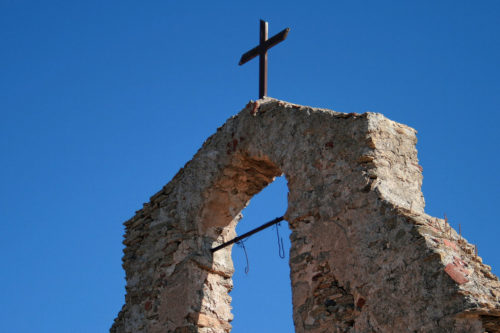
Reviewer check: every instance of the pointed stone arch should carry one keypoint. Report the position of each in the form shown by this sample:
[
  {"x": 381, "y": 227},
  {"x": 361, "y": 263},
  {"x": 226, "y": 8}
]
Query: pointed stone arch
[{"x": 364, "y": 258}]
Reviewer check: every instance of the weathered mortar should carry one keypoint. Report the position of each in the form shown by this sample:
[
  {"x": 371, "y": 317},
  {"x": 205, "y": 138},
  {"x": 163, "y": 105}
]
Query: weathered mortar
[{"x": 364, "y": 258}]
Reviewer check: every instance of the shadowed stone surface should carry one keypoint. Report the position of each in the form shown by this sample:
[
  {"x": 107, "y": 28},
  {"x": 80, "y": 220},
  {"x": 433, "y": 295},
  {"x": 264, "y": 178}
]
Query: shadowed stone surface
[{"x": 364, "y": 257}]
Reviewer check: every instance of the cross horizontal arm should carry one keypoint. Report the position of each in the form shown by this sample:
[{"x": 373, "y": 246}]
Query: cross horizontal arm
[
  {"x": 248, "y": 234},
  {"x": 279, "y": 37}
]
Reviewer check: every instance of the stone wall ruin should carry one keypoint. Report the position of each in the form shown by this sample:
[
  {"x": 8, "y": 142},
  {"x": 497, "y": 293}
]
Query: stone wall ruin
[{"x": 364, "y": 256}]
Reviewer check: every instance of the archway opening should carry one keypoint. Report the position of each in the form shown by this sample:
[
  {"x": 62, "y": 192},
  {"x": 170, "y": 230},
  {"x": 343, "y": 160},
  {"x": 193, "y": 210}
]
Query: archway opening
[{"x": 262, "y": 298}]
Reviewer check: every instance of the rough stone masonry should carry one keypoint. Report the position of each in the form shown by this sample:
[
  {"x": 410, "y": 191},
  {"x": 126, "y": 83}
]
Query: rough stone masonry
[{"x": 364, "y": 257}]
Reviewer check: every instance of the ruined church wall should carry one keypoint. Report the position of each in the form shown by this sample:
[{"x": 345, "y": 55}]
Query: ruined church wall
[{"x": 364, "y": 258}]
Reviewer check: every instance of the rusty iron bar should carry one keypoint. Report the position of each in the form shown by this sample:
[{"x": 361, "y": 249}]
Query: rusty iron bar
[
  {"x": 261, "y": 51},
  {"x": 248, "y": 234}
]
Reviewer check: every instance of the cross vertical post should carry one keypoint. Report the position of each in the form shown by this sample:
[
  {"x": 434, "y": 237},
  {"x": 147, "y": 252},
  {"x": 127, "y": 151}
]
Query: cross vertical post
[
  {"x": 261, "y": 51},
  {"x": 263, "y": 60}
]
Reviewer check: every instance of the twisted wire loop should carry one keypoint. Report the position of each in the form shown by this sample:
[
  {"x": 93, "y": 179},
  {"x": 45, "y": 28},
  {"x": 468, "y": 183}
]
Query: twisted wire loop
[
  {"x": 241, "y": 244},
  {"x": 240, "y": 240},
  {"x": 281, "y": 248}
]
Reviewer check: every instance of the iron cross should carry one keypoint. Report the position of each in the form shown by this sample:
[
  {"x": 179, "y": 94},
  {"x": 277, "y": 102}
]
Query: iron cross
[{"x": 261, "y": 51}]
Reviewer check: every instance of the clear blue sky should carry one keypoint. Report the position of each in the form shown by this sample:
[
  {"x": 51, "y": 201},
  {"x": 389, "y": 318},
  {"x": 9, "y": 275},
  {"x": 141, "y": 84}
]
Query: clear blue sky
[{"x": 103, "y": 101}]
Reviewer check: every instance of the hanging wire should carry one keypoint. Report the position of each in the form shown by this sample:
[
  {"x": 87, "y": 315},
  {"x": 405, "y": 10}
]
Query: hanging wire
[
  {"x": 281, "y": 248},
  {"x": 240, "y": 240},
  {"x": 241, "y": 244}
]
